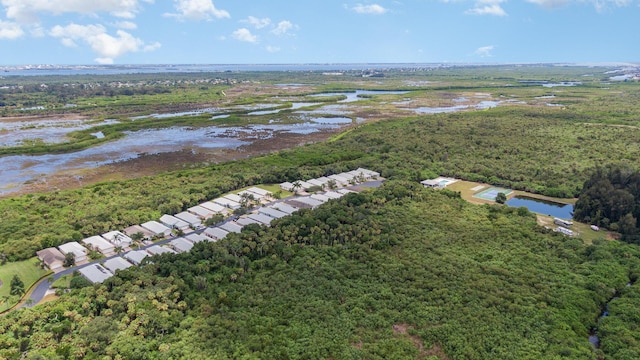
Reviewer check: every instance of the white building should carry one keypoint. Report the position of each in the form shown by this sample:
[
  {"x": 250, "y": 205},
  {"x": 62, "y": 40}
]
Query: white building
[
  {"x": 95, "y": 273},
  {"x": 181, "y": 245},
  {"x": 215, "y": 233},
  {"x": 216, "y": 208},
  {"x": 116, "y": 263},
  {"x": 231, "y": 227},
  {"x": 173, "y": 222},
  {"x": 192, "y": 220},
  {"x": 227, "y": 203},
  {"x": 333, "y": 195},
  {"x": 286, "y": 186},
  {"x": 201, "y": 212},
  {"x": 272, "y": 213},
  {"x": 156, "y": 228},
  {"x": 309, "y": 201},
  {"x": 159, "y": 250},
  {"x": 196, "y": 238},
  {"x": 98, "y": 243},
  {"x": 285, "y": 208},
  {"x": 233, "y": 197},
  {"x": 320, "y": 197},
  {"x": 261, "y": 218},
  {"x": 246, "y": 221},
  {"x": 79, "y": 252},
  {"x": 136, "y": 256},
  {"x": 118, "y": 239},
  {"x": 261, "y": 192}
]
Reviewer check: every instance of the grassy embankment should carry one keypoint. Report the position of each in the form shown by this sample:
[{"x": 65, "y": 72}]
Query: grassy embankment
[{"x": 29, "y": 271}]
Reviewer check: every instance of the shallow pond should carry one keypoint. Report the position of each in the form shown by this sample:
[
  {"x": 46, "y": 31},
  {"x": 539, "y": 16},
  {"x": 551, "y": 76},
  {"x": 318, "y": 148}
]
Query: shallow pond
[
  {"x": 18, "y": 169},
  {"x": 539, "y": 206},
  {"x": 48, "y": 131},
  {"x": 355, "y": 95}
]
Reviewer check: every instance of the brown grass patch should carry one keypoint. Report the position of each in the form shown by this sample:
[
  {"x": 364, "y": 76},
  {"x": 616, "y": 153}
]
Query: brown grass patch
[{"x": 436, "y": 350}]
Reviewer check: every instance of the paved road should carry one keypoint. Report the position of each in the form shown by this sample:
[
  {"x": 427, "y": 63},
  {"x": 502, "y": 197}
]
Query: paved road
[{"x": 43, "y": 286}]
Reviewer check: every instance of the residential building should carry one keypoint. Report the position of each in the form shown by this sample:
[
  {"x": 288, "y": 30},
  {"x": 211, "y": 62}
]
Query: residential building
[
  {"x": 173, "y": 222},
  {"x": 156, "y": 228},
  {"x": 95, "y": 273},
  {"x": 181, "y": 245},
  {"x": 119, "y": 239},
  {"x": 136, "y": 256},
  {"x": 52, "y": 258},
  {"x": 215, "y": 233},
  {"x": 98, "y": 243},
  {"x": 79, "y": 252},
  {"x": 116, "y": 263}
]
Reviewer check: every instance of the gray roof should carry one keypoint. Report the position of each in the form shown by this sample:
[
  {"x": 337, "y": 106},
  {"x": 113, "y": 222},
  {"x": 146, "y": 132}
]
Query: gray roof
[
  {"x": 216, "y": 208},
  {"x": 276, "y": 214},
  {"x": 320, "y": 197},
  {"x": 73, "y": 247},
  {"x": 173, "y": 222},
  {"x": 259, "y": 191},
  {"x": 98, "y": 242},
  {"x": 196, "y": 238},
  {"x": 285, "y": 208},
  {"x": 95, "y": 273},
  {"x": 246, "y": 221},
  {"x": 131, "y": 230},
  {"x": 189, "y": 217},
  {"x": 117, "y": 238},
  {"x": 231, "y": 227},
  {"x": 50, "y": 256},
  {"x": 333, "y": 195},
  {"x": 181, "y": 244},
  {"x": 157, "y": 250},
  {"x": 215, "y": 233},
  {"x": 309, "y": 201},
  {"x": 156, "y": 228},
  {"x": 263, "y": 219},
  {"x": 116, "y": 263},
  {"x": 201, "y": 212},
  {"x": 136, "y": 256}
]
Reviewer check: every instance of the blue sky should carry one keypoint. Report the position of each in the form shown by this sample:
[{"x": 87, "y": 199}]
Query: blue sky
[{"x": 314, "y": 31}]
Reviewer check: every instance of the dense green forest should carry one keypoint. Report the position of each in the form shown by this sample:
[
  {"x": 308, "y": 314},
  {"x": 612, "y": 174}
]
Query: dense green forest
[
  {"x": 397, "y": 272},
  {"x": 541, "y": 150},
  {"x": 611, "y": 198}
]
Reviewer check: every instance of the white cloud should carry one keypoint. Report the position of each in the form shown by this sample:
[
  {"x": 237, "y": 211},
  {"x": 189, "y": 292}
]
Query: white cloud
[
  {"x": 488, "y": 7},
  {"x": 598, "y": 4},
  {"x": 243, "y": 34},
  {"x": 197, "y": 10},
  {"x": 272, "y": 49},
  {"x": 257, "y": 23},
  {"x": 369, "y": 9},
  {"x": 549, "y": 4},
  {"x": 283, "y": 27},
  {"x": 127, "y": 25},
  {"x": 26, "y": 11},
  {"x": 484, "y": 51},
  {"x": 10, "y": 30},
  {"x": 108, "y": 47}
]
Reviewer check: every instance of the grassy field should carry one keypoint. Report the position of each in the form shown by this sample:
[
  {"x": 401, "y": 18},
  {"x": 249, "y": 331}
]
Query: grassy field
[
  {"x": 584, "y": 230},
  {"x": 28, "y": 271}
]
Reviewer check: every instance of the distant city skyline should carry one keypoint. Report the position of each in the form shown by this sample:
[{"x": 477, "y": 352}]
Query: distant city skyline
[{"x": 313, "y": 32}]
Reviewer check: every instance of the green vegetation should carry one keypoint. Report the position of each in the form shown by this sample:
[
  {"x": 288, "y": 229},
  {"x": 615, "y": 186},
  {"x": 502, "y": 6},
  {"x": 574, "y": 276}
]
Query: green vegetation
[
  {"x": 27, "y": 272},
  {"x": 611, "y": 199},
  {"x": 396, "y": 272},
  {"x": 400, "y": 272}
]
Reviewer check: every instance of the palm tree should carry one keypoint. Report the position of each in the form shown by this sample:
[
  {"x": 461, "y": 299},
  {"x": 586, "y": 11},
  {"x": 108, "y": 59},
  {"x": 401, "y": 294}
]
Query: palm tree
[
  {"x": 332, "y": 184},
  {"x": 296, "y": 186}
]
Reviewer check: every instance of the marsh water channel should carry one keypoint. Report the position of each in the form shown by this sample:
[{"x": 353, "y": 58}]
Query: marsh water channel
[{"x": 306, "y": 119}]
